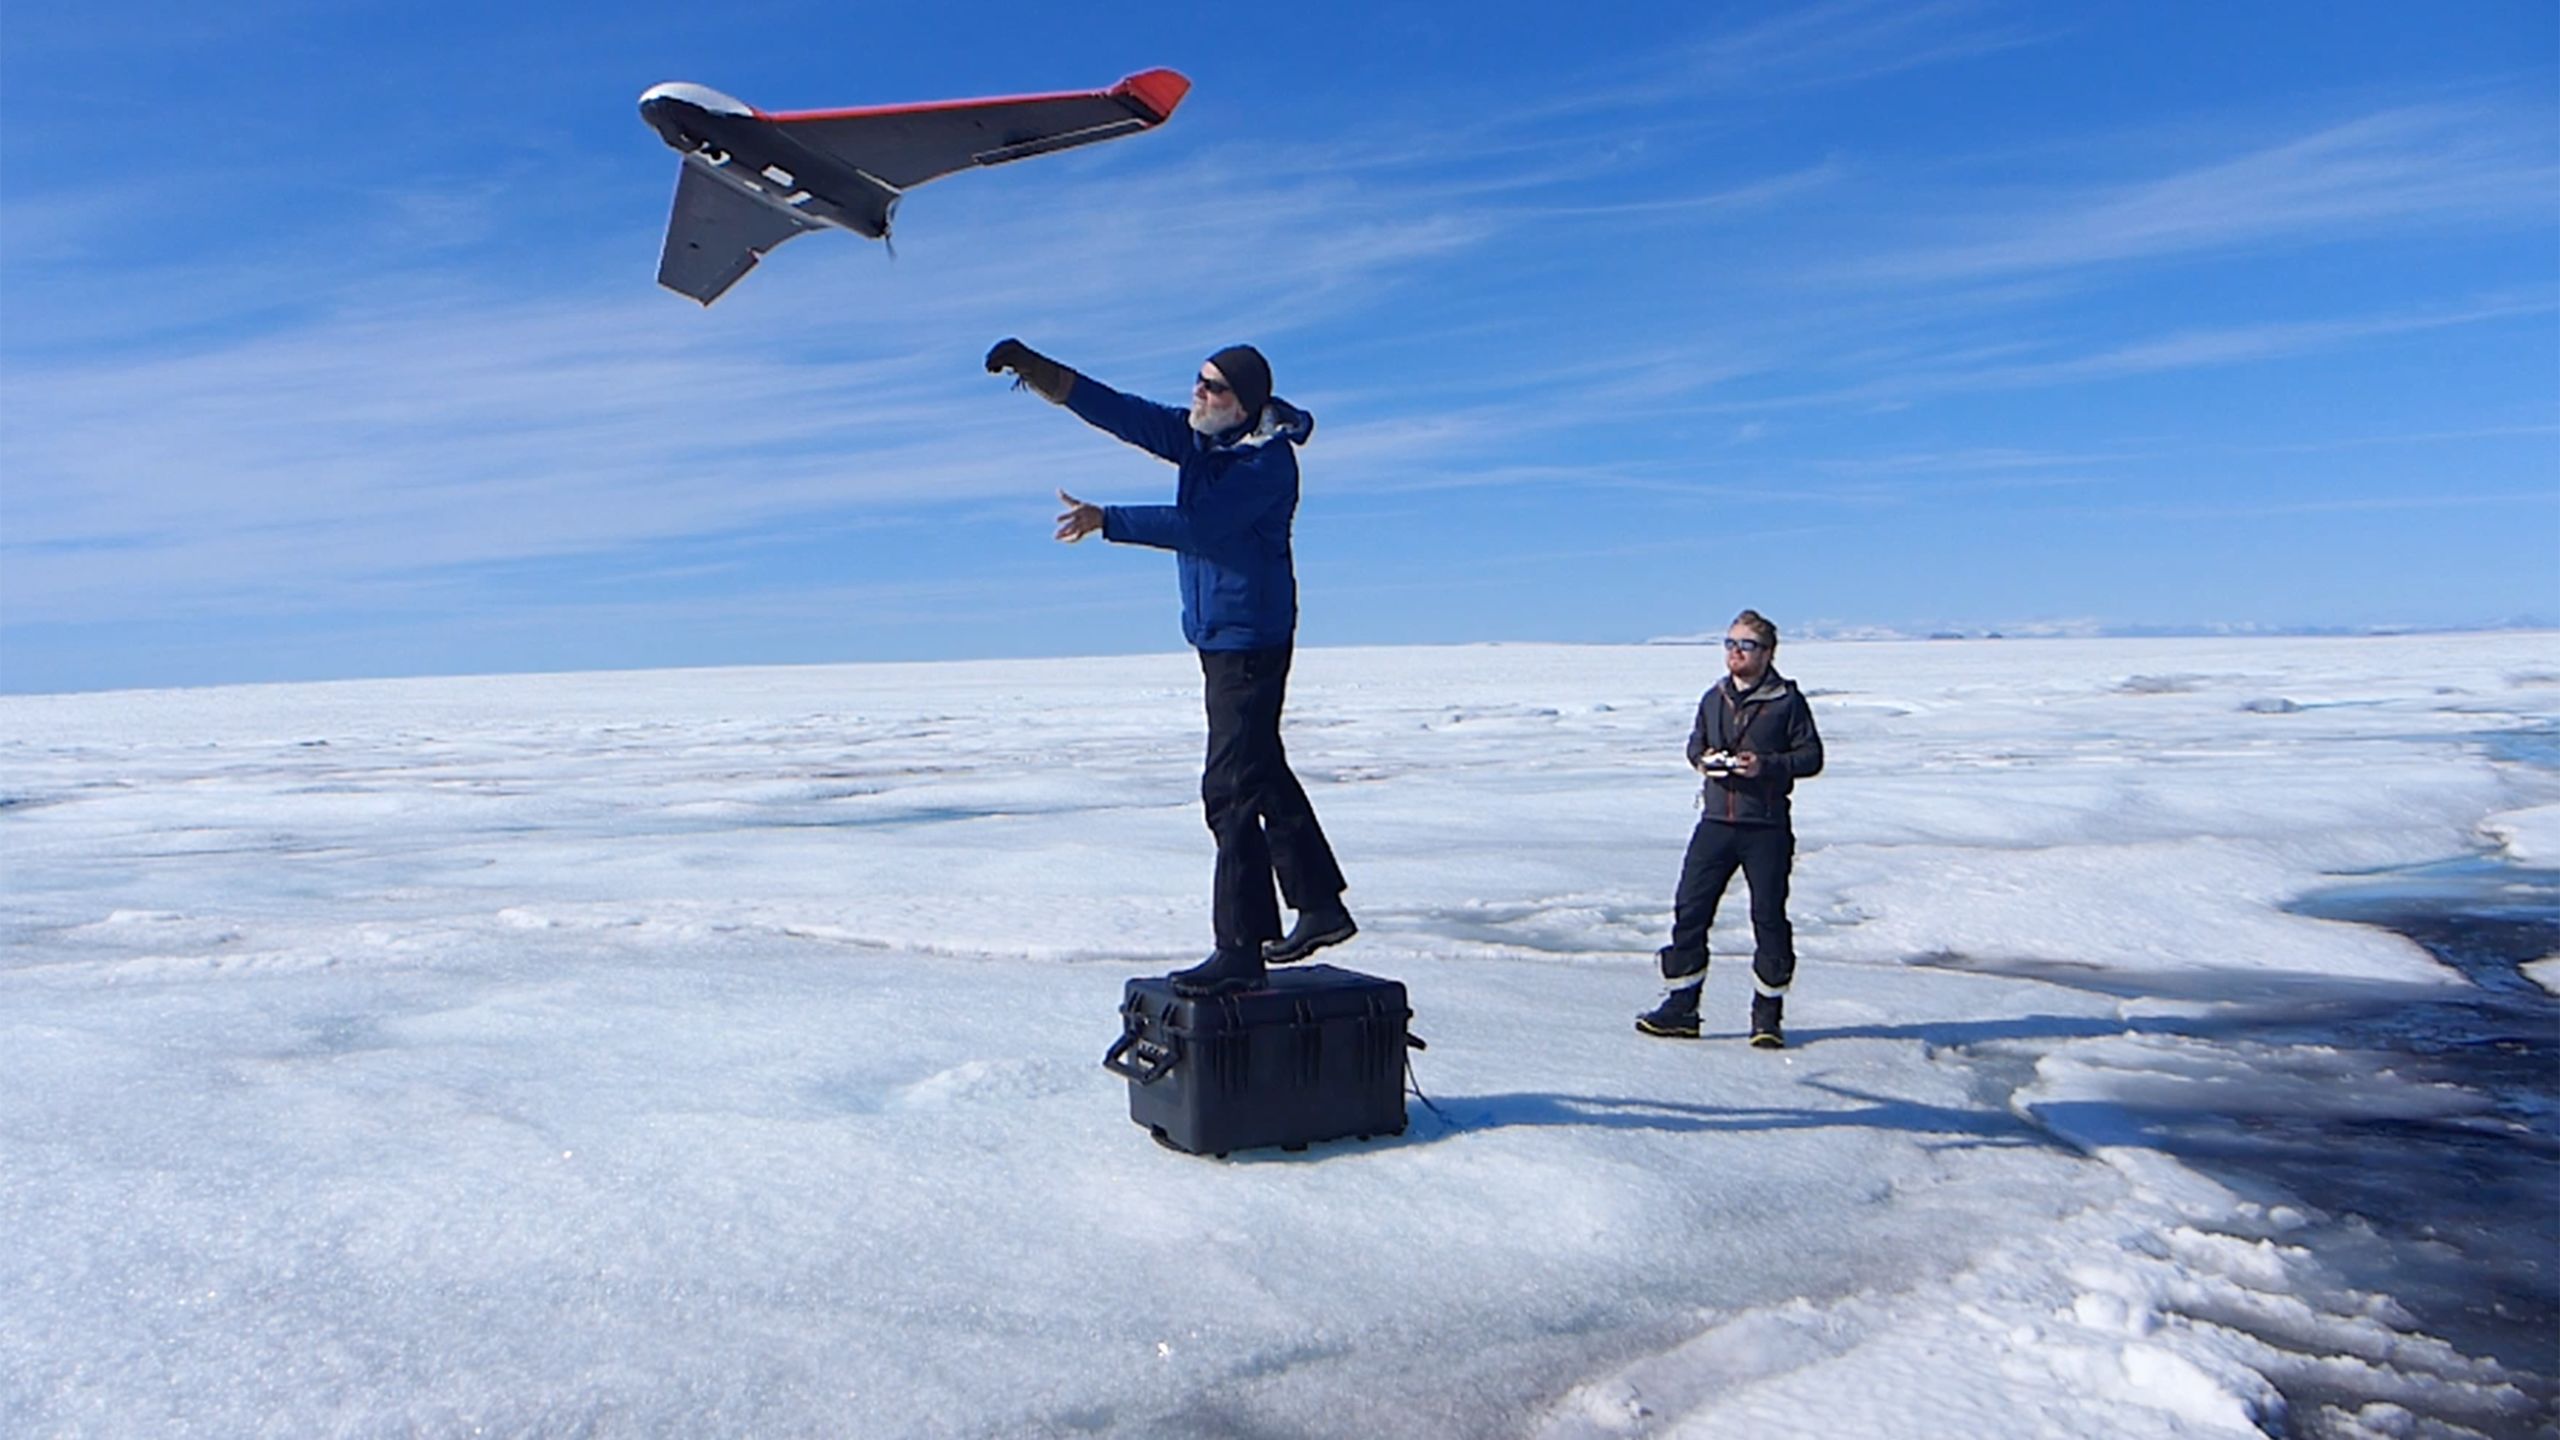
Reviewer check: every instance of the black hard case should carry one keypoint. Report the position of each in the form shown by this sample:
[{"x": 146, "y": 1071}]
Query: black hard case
[{"x": 1317, "y": 1054}]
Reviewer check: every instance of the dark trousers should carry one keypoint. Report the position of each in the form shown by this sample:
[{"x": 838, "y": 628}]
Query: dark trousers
[
  {"x": 1254, "y": 805},
  {"x": 1764, "y": 854}
]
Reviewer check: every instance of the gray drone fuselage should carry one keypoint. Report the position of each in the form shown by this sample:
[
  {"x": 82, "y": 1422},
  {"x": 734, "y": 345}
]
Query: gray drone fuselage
[{"x": 733, "y": 144}]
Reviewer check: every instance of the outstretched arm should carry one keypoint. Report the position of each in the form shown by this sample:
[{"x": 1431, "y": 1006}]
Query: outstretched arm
[
  {"x": 1160, "y": 430},
  {"x": 1078, "y": 520},
  {"x": 1044, "y": 377},
  {"x": 1250, "y": 489}
]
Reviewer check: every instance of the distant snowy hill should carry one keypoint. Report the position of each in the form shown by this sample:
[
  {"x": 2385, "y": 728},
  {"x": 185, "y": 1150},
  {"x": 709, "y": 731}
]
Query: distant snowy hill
[{"x": 2097, "y": 630}]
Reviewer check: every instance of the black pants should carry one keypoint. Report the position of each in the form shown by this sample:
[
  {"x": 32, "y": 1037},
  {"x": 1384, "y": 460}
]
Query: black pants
[
  {"x": 1764, "y": 854},
  {"x": 1254, "y": 805}
]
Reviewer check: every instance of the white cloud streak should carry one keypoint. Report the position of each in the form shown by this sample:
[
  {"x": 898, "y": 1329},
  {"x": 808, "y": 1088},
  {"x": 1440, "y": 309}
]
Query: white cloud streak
[
  {"x": 2423, "y": 166},
  {"x": 2182, "y": 350}
]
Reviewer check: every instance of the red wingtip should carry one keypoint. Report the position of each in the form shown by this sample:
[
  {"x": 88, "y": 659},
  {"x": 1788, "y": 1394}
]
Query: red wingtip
[{"x": 1158, "y": 90}]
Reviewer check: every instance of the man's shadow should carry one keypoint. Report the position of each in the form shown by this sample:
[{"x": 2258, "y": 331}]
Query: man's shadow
[
  {"x": 1431, "y": 1119},
  {"x": 2238, "y": 1005},
  {"x": 1453, "y": 1115}
]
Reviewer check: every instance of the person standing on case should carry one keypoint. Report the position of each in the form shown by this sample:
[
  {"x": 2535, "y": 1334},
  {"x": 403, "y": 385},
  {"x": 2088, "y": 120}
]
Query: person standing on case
[
  {"x": 1235, "y": 497},
  {"x": 1753, "y": 739}
]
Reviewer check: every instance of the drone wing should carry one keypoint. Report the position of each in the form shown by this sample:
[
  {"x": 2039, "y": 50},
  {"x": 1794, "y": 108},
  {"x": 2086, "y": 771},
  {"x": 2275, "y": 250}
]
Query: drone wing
[
  {"x": 903, "y": 146},
  {"x": 717, "y": 234}
]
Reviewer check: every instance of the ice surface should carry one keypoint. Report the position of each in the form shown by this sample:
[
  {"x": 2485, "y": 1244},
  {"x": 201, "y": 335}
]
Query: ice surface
[
  {"x": 714, "y": 1052},
  {"x": 2530, "y": 835}
]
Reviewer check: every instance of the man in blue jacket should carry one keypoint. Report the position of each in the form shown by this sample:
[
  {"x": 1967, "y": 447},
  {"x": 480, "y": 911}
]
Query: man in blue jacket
[{"x": 1235, "y": 496}]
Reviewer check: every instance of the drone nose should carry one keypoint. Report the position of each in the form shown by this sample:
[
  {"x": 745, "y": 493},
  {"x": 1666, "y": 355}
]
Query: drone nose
[{"x": 699, "y": 97}]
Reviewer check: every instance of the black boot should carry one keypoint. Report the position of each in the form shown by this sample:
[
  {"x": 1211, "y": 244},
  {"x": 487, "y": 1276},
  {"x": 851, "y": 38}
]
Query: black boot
[
  {"x": 1676, "y": 1018},
  {"x": 1328, "y": 925},
  {"x": 1768, "y": 1030},
  {"x": 1223, "y": 972}
]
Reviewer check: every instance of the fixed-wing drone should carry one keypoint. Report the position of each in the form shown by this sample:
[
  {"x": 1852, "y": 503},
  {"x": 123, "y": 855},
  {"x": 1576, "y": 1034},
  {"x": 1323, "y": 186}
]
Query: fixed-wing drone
[{"x": 752, "y": 180}]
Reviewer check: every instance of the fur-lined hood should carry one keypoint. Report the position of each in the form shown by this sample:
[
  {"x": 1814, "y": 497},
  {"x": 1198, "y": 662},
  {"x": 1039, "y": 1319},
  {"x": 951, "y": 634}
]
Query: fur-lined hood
[{"x": 1280, "y": 421}]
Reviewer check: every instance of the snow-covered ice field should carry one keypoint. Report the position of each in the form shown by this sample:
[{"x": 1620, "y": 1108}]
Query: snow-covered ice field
[{"x": 715, "y": 1053}]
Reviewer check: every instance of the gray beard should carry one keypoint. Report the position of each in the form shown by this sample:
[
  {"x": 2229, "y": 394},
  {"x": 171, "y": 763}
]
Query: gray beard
[{"x": 1217, "y": 420}]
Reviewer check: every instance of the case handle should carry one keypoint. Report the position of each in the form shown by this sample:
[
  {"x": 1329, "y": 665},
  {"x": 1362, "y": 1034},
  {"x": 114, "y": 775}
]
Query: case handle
[{"x": 1117, "y": 1062}]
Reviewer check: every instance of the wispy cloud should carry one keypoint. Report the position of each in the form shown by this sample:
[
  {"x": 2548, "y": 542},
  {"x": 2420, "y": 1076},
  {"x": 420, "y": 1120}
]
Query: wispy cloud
[
  {"x": 2410, "y": 437},
  {"x": 1972, "y": 461},
  {"x": 2539, "y": 502},
  {"x": 2234, "y": 345},
  {"x": 1819, "y": 47},
  {"x": 1851, "y": 41},
  {"x": 2415, "y": 166},
  {"x": 1749, "y": 196},
  {"x": 2191, "y": 349}
]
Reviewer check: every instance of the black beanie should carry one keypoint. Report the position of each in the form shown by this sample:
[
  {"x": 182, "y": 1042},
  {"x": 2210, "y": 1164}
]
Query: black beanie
[{"x": 1250, "y": 374}]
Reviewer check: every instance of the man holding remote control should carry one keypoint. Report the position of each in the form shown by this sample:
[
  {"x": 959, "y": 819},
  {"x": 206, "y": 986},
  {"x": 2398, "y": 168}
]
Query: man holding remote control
[{"x": 1754, "y": 738}]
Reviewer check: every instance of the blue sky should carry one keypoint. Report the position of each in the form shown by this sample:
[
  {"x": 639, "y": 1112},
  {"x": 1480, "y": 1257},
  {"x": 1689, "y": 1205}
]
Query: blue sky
[{"x": 331, "y": 347}]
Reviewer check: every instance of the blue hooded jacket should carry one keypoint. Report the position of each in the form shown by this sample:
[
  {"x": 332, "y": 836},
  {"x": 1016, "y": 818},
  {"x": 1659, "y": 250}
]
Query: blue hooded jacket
[{"x": 1228, "y": 525}]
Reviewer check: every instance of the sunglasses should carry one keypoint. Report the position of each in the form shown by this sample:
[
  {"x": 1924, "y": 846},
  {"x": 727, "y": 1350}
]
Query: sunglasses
[
  {"x": 1747, "y": 647},
  {"x": 1214, "y": 387}
]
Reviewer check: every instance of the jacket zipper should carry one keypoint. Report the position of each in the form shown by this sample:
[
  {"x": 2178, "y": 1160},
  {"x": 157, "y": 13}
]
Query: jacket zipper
[{"x": 1737, "y": 729}]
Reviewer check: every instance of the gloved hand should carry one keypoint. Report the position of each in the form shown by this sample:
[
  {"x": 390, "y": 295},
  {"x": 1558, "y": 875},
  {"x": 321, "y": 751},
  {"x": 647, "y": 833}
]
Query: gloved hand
[{"x": 1051, "y": 380}]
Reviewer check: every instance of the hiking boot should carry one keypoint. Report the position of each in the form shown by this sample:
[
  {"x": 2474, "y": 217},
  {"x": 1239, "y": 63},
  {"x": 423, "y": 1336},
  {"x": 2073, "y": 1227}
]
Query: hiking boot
[
  {"x": 1315, "y": 930},
  {"x": 1768, "y": 1032},
  {"x": 1676, "y": 1018},
  {"x": 1224, "y": 972}
]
